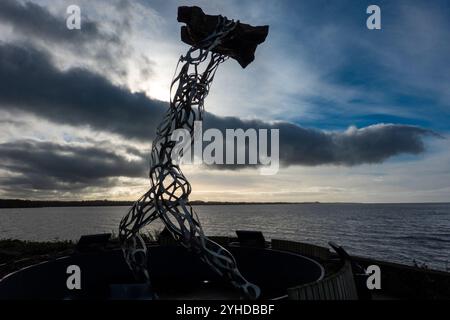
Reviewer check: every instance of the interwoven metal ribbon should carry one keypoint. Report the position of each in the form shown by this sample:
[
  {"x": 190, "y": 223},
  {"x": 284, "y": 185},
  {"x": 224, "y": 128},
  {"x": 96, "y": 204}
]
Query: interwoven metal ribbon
[{"x": 168, "y": 197}]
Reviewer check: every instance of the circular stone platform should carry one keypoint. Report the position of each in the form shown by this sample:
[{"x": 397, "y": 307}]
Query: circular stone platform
[{"x": 175, "y": 274}]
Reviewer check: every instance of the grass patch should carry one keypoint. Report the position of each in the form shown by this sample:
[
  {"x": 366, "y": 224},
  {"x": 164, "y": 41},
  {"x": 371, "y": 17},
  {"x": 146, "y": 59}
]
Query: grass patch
[{"x": 11, "y": 249}]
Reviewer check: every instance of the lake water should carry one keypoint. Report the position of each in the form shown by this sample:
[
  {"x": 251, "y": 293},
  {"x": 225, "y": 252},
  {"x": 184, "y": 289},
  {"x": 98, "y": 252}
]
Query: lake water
[{"x": 392, "y": 232}]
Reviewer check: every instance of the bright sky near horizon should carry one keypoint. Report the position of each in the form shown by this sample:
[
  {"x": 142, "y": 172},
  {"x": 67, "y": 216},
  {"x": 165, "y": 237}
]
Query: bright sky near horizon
[{"x": 358, "y": 109}]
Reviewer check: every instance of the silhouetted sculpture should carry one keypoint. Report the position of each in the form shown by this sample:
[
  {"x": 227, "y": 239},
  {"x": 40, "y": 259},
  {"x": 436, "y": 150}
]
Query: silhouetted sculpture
[{"x": 216, "y": 38}]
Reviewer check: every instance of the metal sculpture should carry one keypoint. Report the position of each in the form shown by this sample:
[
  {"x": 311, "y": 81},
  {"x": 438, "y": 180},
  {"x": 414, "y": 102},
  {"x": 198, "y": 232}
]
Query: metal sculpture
[{"x": 216, "y": 38}]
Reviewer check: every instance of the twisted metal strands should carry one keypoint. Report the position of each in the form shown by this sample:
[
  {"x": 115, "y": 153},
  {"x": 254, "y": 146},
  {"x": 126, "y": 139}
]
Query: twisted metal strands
[{"x": 168, "y": 196}]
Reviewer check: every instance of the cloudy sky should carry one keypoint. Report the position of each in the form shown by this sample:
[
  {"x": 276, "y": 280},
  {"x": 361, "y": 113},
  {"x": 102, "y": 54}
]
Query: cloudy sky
[{"x": 363, "y": 114}]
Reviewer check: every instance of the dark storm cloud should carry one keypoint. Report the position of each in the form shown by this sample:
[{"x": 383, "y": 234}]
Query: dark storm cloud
[
  {"x": 105, "y": 47},
  {"x": 29, "y": 82},
  {"x": 34, "y": 20},
  {"x": 78, "y": 97},
  {"x": 303, "y": 146},
  {"x": 51, "y": 166}
]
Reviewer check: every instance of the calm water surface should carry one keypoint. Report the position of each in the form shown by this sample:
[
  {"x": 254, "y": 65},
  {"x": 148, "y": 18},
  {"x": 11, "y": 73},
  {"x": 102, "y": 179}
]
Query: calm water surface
[{"x": 394, "y": 232}]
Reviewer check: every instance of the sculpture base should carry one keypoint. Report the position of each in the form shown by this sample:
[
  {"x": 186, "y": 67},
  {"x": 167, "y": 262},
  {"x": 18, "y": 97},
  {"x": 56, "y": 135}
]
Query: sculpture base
[
  {"x": 133, "y": 291},
  {"x": 175, "y": 273}
]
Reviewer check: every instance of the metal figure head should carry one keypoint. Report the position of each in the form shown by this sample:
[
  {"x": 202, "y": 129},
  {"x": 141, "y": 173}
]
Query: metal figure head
[{"x": 240, "y": 44}]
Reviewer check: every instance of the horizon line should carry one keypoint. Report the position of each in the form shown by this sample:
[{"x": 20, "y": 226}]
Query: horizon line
[{"x": 204, "y": 202}]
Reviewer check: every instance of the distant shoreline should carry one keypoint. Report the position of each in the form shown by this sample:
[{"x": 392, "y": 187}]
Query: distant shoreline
[{"x": 20, "y": 203}]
